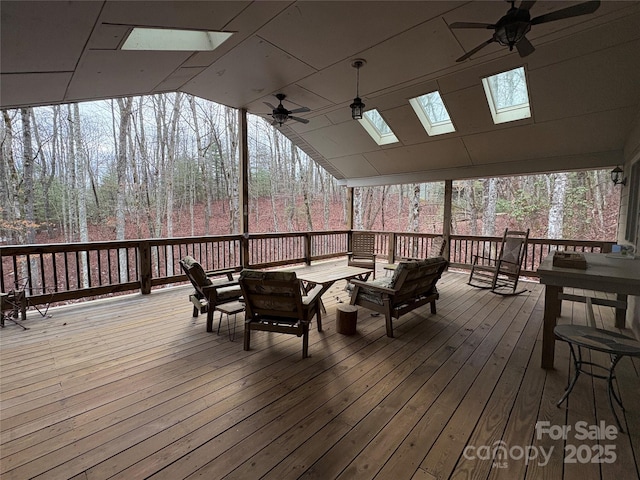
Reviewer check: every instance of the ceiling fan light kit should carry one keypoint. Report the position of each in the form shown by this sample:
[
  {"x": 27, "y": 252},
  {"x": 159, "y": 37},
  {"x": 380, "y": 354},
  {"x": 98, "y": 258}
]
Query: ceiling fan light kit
[
  {"x": 357, "y": 107},
  {"x": 281, "y": 115},
  {"x": 511, "y": 34},
  {"x": 511, "y": 29}
]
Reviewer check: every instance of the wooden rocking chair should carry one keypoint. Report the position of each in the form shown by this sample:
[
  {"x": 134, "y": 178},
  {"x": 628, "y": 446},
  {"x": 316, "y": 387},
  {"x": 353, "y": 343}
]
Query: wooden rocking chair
[{"x": 501, "y": 273}]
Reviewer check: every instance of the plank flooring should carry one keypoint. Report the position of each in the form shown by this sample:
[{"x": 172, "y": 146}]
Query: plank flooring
[{"x": 133, "y": 387}]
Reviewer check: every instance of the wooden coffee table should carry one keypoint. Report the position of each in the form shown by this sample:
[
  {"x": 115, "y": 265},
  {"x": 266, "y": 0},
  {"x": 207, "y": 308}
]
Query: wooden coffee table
[{"x": 328, "y": 277}]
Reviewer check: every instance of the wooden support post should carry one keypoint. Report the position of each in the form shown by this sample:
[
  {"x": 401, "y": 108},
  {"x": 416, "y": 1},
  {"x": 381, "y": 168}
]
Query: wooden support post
[
  {"x": 307, "y": 248},
  {"x": 350, "y": 208},
  {"x": 391, "y": 255},
  {"x": 447, "y": 217},
  {"x": 244, "y": 187},
  {"x": 144, "y": 258}
]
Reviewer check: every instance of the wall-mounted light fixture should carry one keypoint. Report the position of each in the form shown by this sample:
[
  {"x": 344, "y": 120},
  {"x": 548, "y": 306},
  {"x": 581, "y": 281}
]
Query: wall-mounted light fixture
[
  {"x": 617, "y": 176},
  {"x": 357, "y": 107}
]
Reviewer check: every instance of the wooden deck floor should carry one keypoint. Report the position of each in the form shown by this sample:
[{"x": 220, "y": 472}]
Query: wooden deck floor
[{"x": 133, "y": 387}]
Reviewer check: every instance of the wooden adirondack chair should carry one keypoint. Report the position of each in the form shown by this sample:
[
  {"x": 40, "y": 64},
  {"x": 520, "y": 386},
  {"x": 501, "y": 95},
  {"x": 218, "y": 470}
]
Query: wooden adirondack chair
[{"x": 274, "y": 303}]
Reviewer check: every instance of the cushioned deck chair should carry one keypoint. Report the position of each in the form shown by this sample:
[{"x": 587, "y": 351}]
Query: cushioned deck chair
[
  {"x": 438, "y": 246},
  {"x": 501, "y": 273},
  {"x": 209, "y": 293},
  {"x": 274, "y": 303},
  {"x": 362, "y": 252},
  {"x": 413, "y": 285}
]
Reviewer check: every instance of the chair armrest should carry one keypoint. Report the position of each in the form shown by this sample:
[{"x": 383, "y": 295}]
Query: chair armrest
[
  {"x": 362, "y": 255},
  {"x": 224, "y": 283},
  {"x": 370, "y": 286},
  {"x": 312, "y": 295},
  {"x": 218, "y": 286},
  {"x": 228, "y": 272}
]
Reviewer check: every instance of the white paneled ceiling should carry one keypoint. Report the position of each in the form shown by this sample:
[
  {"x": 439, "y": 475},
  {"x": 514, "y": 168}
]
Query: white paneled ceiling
[{"x": 584, "y": 77}]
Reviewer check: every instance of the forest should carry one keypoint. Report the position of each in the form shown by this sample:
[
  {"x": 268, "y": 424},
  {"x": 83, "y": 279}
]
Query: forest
[{"x": 168, "y": 166}]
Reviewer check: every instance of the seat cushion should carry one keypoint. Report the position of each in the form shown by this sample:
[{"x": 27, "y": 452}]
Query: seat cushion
[
  {"x": 225, "y": 294},
  {"x": 262, "y": 276},
  {"x": 402, "y": 266},
  {"x": 374, "y": 296}
]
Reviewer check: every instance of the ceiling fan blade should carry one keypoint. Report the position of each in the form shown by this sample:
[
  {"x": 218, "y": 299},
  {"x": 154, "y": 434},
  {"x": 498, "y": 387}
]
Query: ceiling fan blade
[
  {"x": 298, "y": 119},
  {"x": 475, "y": 50},
  {"x": 300, "y": 110},
  {"x": 524, "y": 47},
  {"x": 527, "y": 4},
  {"x": 471, "y": 25},
  {"x": 574, "y": 11},
  {"x": 269, "y": 105}
]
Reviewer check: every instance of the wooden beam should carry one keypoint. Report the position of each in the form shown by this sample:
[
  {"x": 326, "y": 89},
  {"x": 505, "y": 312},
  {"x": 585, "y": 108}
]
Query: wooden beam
[
  {"x": 244, "y": 185},
  {"x": 349, "y": 208},
  {"x": 447, "y": 216}
]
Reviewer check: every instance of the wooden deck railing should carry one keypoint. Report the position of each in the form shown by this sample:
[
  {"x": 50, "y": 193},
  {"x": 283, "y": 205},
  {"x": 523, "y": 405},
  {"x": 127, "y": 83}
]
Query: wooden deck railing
[
  {"x": 462, "y": 248},
  {"x": 70, "y": 271}
]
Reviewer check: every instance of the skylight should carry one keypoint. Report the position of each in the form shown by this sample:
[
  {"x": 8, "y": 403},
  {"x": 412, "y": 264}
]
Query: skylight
[
  {"x": 507, "y": 95},
  {"x": 174, "y": 40},
  {"x": 432, "y": 113},
  {"x": 375, "y": 126}
]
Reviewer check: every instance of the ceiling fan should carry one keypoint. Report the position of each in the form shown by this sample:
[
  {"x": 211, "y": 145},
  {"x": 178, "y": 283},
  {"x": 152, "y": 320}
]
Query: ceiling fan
[
  {"x": 281, "y": 115},
  {"x": 511, "y": 29}
]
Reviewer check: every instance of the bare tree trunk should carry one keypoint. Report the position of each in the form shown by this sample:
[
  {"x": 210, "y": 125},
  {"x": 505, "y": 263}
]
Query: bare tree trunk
[
  {"x": 304, "y": 185},
  {"x": 471, "y": 206},
  {"x": 80, "y": 187},
  {"x": 72, "y": 171},
  {"x": 124, "y": 107},
  {"x": 205, "y": 185},
  {"x": 27, "y": 166},
  {"x": 383, "y": 204},
  {"x": 326, "y": 199},
  {"x": 233, "y": 181},
  {"x": 556, "y": 210},
  {"x": 489, "y": 220},
  {"x": 274, "y": 175},
  {"x": 148, "y": 187},
  {"x": 291, "y": 217},
  {"x": 48, "y": 168},
  {"x": 598, "y": 200},
  {"x": 357, "y": 208},
  {"x": 14, "y": 214},
  {"x": 414, "y": 217},
  {"x": 372, "y": 209}
]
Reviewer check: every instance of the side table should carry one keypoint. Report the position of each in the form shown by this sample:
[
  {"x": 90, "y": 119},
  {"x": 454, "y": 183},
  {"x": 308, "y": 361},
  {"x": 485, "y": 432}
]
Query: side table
[
  {"x": 346, "y": 319},
  {"x": 612, "y": 343},
  {"x": 230, "y": 308}
]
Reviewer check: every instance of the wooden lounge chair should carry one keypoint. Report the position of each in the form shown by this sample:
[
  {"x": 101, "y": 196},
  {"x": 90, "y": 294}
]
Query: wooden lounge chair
[
  {"x": 413, "y": 284},
  {"x": 209, "y": 293},
  {"x": 501, "y": 273},
  {"x": 362, "y": 252},
  {"x": 274, "y": 303}
]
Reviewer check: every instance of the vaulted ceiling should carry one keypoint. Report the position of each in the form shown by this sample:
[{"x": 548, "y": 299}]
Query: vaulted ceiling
[{"x": 584, "y": 76}]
